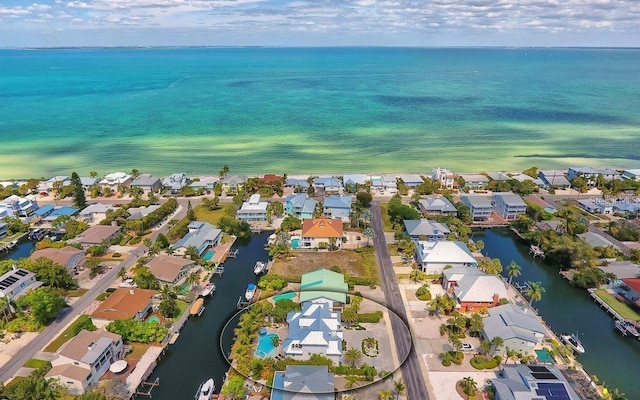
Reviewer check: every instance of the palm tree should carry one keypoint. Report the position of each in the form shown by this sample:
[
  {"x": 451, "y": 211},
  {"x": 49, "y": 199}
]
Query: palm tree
[
  {"x": 122, "y": 273},
  {"x": 385, "y": 395},
  {"x": 168, "y": 292},
  {"x": 416, "y": 275},
  {"x": 353, "y": 356},
  {"x": 169, "y": 250},
  {"x": 496, "y": 342},
  {"x": 469, "y": 385},
  {"x": 514, "y": 270},
  {"x": 351, "y": 381},
  {"x": 193, "y": 278},
  {"x": 370, "y": 234},
  {"x": 535, "y": 291},
  {"x": 93, "y": 174},
  {"x": 400, "y": 388}
]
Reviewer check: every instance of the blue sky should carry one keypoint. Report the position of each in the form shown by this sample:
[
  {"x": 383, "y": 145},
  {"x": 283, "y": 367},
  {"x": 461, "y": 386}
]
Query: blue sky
[{"x": 46, "y": 23}]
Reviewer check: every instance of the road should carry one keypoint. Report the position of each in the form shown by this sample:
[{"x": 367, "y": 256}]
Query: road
[
  {"x": 53, "y": 330},
  {"x": 411, "y": 370}
]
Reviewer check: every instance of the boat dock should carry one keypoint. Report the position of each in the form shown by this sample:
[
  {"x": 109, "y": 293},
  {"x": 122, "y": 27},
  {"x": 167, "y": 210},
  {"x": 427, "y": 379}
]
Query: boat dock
[
  {"x": 218, "y": 270},
  {"x": 8, "y": 246},
  {"x": 197, "y": 308},
  {"x": 602, "y": 304},
  {"x": 233, "y": 253}
]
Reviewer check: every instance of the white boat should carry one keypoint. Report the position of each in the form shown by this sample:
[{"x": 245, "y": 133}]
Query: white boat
[
  {"x": 208, "y": 289},
  {"x": 259, "y": 267},
  {"x": 627, "y": 328},
  {"x": 37, "y": 234},
  {"x": 205, "y": 391},
  {"x": 250, "y": 292},
  {"x": 572, "y": 341}
]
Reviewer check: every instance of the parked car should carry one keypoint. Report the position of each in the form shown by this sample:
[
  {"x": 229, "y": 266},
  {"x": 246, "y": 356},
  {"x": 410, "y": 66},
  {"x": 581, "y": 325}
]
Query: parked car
[
  {"x": 129, "y": 283},
  {"x": 466, "y": 347}
]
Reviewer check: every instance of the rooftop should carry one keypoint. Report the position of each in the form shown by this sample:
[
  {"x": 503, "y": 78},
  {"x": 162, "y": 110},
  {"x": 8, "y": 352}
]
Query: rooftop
[
  {"x": 97, "y": 234},
  {"x": 323, "y": 283},
  {"x": 123, "y": 304},
  {"x": 87, "y": 346},
  {"x": 322, "y": 228},
  {"x": 59, "y": 256},
  {"x": 167, "y": 268}
]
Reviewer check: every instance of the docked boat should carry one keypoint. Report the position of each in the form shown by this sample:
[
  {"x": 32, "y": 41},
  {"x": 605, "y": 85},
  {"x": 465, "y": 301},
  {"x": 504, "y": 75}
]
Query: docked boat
[
  {"x": 197, "y": 307},
  {"x": 536, "y": 251},
  {"x": 37, "y": 234},
  {"x": 208, "y": 289},
  {"x": 250, "y": 292},
  {"x": 627, "y": 328},
  {"x": 205, "y": 391},
  {"x": 572, "y": 341},
  {"x": 259, "y": 267}
]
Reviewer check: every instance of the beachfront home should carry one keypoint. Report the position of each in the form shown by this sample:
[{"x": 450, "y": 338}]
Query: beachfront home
[
  {"x": 68, "y": 256},
  {"x": 233, "y": 183},
  {"x": 87, "y": 181},
  {"x": 303, "y": 382},
  {"x": 314, "y": 330},
  {"x": 480, "y": 206},
  {"x": 253, "y": 210},
  {"x": 432, "y": 257},
  {"x": 337, "y": 207},
  {"x": 423, "y": 229},
  {"x": 175, "y": 182},
  {"x": 475, "y": 181},
  {"x": 300, "y": 183},
  {"x": 322, "y": 233},
  {"x": 3, "y": 230},
  {"x": 116, "y": 179},
  {"x": 532, "y": 382},
  {"x": 202, "y": 236},
  {"x": 328, "y": 184},
  {"x": 300, "y": 205},
  {"x": 436, "y": 205},
  {"x": 84, "y": 359},
  {"x": 124, "y": 303},
  {"x": 509, "y": 205},
  {"x": 56, "y": 182},
  {"x": 590, "y": 174},
  {"x": 207, "y": 183},
  {"x": 170, "y": 270},
  {"x": 136, "y": 213},
  {"x": 445, "y": 177},
  {"x": 633, "y": 174},
  {"x": 324, "y": 286},
  {"x": 554, "y": 178},
  {"x": 96, "y": 212},
  {"x": 596, "y": 206},
  {"x": 498, "y": 176},
  {"x": 376, "y": 182},
  {"x": 390, "y": 184},
  {"x": 352, "y": 182},
  {"x": 98, "y": 234},
  {"x": 147, "y": 182},
  {"x": 473, "y": 289},
  {"x": 411, "y": 180},
  {"x": 526, "y": 178},
  {"x": 16, "y": 206},
  {"x": 519, "y": 328},
  {"x": 16, "y": 282}
]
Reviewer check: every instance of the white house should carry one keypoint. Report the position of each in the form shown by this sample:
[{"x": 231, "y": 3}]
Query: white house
[
  {"x": 115, "y": 179},
  {"x": 445, "y": 177},
  {"x": 518, "y": 327},
  {"x": 16, "y": 282},
  {"x": 509, "y": 205},
  {"x": 337, "y": 207},
  {"x": 16, "y": 206},
  {"x": 96, "y": 212},
  {"x": 314, "y": 330},
  {"x": 432, "y": 257},
  {"x": 253, "y": 210}
]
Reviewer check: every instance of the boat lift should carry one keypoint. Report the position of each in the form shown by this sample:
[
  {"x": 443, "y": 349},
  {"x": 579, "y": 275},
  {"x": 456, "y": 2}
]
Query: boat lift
[
  {"x": 219, "y": 270},
  {"x": 243, "y": 303},
  {"x": 151, "y": 386}
]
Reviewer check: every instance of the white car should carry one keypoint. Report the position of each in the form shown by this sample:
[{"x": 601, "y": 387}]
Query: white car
[
  {"x": 129, "y": 283},
  {"x": 466, "y": 347}
]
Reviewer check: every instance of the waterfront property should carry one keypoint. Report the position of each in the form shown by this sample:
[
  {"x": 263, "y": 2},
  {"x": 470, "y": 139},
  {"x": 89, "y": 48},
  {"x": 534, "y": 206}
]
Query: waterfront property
[
  {"x": 87, "y": 181},
  {"x": 170, "y": 270},
  {"x": 411, "y": 180},
  {"x": 480, "y": 206},
  {"x": 351, "y": 182},
  {"x": 303, "y": 382},
  {"x": 432, "y": 257},
  {"x": 300, "y": 205},
  {"x": 175, "y": 182},
  {"x": 207, "y": 183},
  {"x": 473, "y": 289},
  {"x": 147, "y": 183},
  {"x": 590, "y": 174},
  {"x": 52, "y": 183},
  {"x": 445, "y": 177},
  {"x": 16, "y": 206},
  {"x": 16, "y": 282},
  {"x": 253, "y": 210},
  {"x": 423, "y": 229},
  {"x": 96, "y": 212},
  {"x": 596, "y": 207},
  {"x": 633, "y": 174},
  {"x": 60, "y": 211},
  {"x": 115, "y": 180},
  {"x": 532, "y": 382},
  {"x": 519, "y": 328},
  {"x": 390, "y": 183},
  {"x": 202, "y": 235},
  {"x": 83, "y": 360},
  {"x": 314, "y": 330},
  {"x": 509, "y": 205},
  {"x": 337, "y": 207},
  {"x": 329, "y": 184},
  {"x": 436, "y": 205},
  {"x": 299, "y": 184},
  {"x": 475, "y": 181},
  {"x": 97, "y": 234},
  {"x": 322, "y": 286},
  {"x": 266, "y": 348},
  {"x": 321, "y": 232},
  {"x": 124, "y": 303},
  {"x": 68, "y": 256},
  {"x": 233, "y": 183},
  {"x": 554, "y": 178}
]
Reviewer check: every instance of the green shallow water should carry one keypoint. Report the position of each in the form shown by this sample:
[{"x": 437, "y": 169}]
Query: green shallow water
[{"x": 315, "y": 110}]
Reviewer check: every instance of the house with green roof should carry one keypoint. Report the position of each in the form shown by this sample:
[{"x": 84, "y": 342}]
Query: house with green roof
[{"x": 323, "y": 286}]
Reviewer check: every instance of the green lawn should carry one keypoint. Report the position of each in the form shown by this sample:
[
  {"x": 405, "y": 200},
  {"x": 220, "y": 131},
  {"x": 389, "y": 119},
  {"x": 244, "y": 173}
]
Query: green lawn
[
  {"x": 75, "y": 293},
  {"x": 621, "y": 308},
  {"x": 182, "y": 306},
  {"x": 103, "y": 296},
  {"x": 66, "y": 335},
  {"x": 393, "y": 249},
  {"x": 35, "y": 363},
  {"x": 11, "y": 238},
  {"x": 386, "y": 221},
  {"x": 212, "y": 217}
]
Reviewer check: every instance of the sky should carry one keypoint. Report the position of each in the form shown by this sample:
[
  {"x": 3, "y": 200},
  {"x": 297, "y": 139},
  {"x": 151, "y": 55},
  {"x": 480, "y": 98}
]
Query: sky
[{"x": 52, "y": 23}]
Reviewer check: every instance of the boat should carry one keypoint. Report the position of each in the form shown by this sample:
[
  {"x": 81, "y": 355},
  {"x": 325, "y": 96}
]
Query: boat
[
  {"x": 37, "y": 234},
  {"x": 197, "y": 307},
  {"x": 627, "y": 328},
  {"x": 572, "y": 341},
  {"x": 259, "y": 267},
  {"x": 208, "y": 289},
  {"x": 205, "y": 390},
  {"x": 536, "y": 251},
  {"x": 250, "y": 292}
]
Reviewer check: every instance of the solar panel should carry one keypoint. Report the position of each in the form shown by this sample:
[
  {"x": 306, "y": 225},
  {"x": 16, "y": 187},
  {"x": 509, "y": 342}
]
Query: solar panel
[
  {"x": 552, "y": 391},
  {"x": 21, "y": 272},
  {"x": 538, "y": 368},
  {"x": 543, "y": 375}
]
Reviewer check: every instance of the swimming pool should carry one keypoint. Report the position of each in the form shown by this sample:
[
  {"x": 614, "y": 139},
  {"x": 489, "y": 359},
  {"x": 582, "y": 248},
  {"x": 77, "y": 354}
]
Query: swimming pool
[
  {"x": 545, "y": 357},
  {"x": 284, "y": 296},
  {"x": 153, "y": 319},
  {"x": 295, "y": 243},
  {"x": 265, "y": 346},
  {"x": 208, "y": 255}
]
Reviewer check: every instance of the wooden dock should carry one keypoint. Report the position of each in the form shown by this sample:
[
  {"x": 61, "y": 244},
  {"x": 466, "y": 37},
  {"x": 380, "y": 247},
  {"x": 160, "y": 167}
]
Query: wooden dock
[
  {"x": 602, "y": 304},
  {"x": 233, "y": 253}
]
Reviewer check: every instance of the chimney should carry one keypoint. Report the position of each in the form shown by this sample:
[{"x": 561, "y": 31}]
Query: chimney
[
  {"x": 496, "y": 299},
  {"x": 131, "y": 291},
  {"x": 14, "y": 267},
  {"x": 91, "y": 346}
]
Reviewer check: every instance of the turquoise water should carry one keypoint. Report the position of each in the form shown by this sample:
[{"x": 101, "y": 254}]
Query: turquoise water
[
  {"x": 544, "y": 356},
  {"x": 265, "y": 346},
  {"x": 295, "y": 243},
  {"x": 208, "y": 255},
  {"x": 284, "y": 296},
  {"x": 152, "y": 319},
  {"x": 315, "y": 110}
]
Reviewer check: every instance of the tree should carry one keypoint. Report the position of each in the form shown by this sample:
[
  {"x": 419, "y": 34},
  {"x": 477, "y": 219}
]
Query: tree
[
  {"x": 277, "y": 208},
  {"x": 224, "y": 171},
  {"x": 93, "y": 174},
  {"x": 79, "y": 198},
  {"x": 234, "y": 387},
  {"x": 145, "y": 279},
  {"x": 469, "y": 386},
  {"x": 385, "y": 395},
  {"x": 364, "y": 199},
  {"x": 92, "y": 396},
  {"x": 370, "y": 234},
  {"x": 351, "y": 381},
  {"x": 95, "y": 268},
  {"x": 44, "y": 304},
  {"x": 290, "y": 223},
  {"x": 514, "y": 270},
  {"x": 476, "y": 323},
  {"x": 353, "y": 356},
  {"x": 191, "y": 215},
  {"x": 135, "y": 172},
  {"x": 162, "y": 242},
  {"x": 416, "y": 275},
  {"x": 400, "y": 388},
  {"x": 496, "y": 343},
  {"x": 193, "y": 278},
  {"x": 535, "y": 291},
  {"x": 169, "y": 308},
  {"x": 192, "y": 252}
]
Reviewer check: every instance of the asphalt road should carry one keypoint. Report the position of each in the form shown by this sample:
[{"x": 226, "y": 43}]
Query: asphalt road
[{"x": 411, "y": 371}]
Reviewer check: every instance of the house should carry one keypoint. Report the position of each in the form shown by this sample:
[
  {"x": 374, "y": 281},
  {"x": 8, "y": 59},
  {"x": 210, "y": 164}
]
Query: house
[
  {"x": 133, "y": 303},
  {"x": 97, "y": 234},
  {"x": 147, "y": 182},
  {"x": 526, "y": 178},
  {"x": 509, "y": 205},
  {"x": 390, "y": 183},
  {"x": 3, "y": 230},
  {"x": 300, "y": 205},
  {"x": 84, "y": 359},
  {"x": 352, "y": 182},
  {"x": 596, "y": 240},
  {"x": 554, "y": 178},
  {"x": 596, "y": 206},
  {"x": 299, "y": 183},
  {"x": 136, "y": 213},
  {"x": 632, "y": 294},
  {"x": 532, "y": 382},
  {"x": 96, "y": 212},
  {"x": 202, "y": 236},
  {"x": 423, "y": 229},
  {"x": 329, "y": 184},
  {"x": 337, "y": 207},
  {"x": 321, "y": 232},
  {"x": 437, "y": 205},
  {"x": 41, "y": 212},
  {"x": 115, "y": 180},
  {"x": 61, "y": 211},
  {"x": 314, "y": 330},
  {"x": 473, "y": 289},
  {"x": 87, "y": 182},
  {"x": 445, "y": 177},
  {"x": 233, "y": 183},
  {"x": 475, "y": 181},
  {"x": 253, "y": 210},
  {"x": 16, "y": 206},
  {"x": 175, "y": 183},
  {"x": 411, "y": 180},
  {"x": 207, "y": 183},
  {"x": 57, "y": 181},
  {"x": 68, "y": 256},
  {"x": 626, "y": 207},
  {"x": 633, "y": 174},
  {"x": 498, "y": 176},
  {"x": 480, "y": 206},
  {"x": 590, "y": 174},
  {"x": 519, "y": 328},
  {"x": 323, "y": 285},
  {"x": 432, "y": 257},
  {"x": 16, "y": 282},
  {"x": 170, "y": 270},
  {"x": 376, "y": 182},
  {"x": 303, "y": 382}
]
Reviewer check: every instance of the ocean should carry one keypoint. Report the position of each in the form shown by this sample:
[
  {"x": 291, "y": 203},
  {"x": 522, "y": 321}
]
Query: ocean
[{"x": 315, "y": 110}]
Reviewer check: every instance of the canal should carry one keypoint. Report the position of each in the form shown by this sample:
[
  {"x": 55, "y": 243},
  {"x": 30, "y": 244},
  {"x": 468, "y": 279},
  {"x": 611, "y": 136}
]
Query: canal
[
  {"x": 614, "y": 359},
  {"x": 196, "y": 355},
  {"x": 22, "y": 250}
]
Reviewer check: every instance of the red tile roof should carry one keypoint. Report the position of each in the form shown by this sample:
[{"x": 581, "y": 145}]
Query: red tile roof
[
  {"x": 633, "y": 283},
  {"x": 322, "y": 228},
  {"x": 123, "y": 304}
]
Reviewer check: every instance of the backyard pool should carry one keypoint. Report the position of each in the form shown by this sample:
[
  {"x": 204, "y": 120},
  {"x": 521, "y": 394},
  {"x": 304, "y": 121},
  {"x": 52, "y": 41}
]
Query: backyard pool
[
  {"x": 208, "y": 255},
  {"x": 265, "y": 346},
  {"x": 295, "y": 243},
  {"x": 152, "y": 319},
  {"x": 284, "y": 296},
  {"x": 545, "y": 357}
]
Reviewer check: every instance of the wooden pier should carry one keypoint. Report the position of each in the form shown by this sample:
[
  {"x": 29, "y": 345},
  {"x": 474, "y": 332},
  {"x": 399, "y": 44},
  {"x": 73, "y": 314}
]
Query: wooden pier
[
  {"x": 233, "y": 253},
  {"x": 218, "y": 270},
  {"x": 242, "y": 303},
  {"x": 601, "y": 303},
  {"x": 151, "y": 385}
]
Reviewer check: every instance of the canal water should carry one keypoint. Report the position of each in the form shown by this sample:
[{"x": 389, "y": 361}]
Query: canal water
[
  {"x": 613, "y": 358},
  {"x": 22, "y": 250},
  {"x": 196, "y": 355}
]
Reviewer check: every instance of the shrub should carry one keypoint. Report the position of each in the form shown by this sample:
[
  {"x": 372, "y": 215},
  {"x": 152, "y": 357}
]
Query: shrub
[
  {"x": 423, "y": 293},
  {"x": 135, "y": 240},
  {"x": 116, "y": 255},
  {"x": 446, "y": 363},
  {"x": 272, "y": 282},
  {"x": 373, "y": 317},
  {"x": 482, "y": 362}
]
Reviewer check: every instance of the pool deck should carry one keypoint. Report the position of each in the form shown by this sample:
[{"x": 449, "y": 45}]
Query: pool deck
[{"x": 222, "y": 251}]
